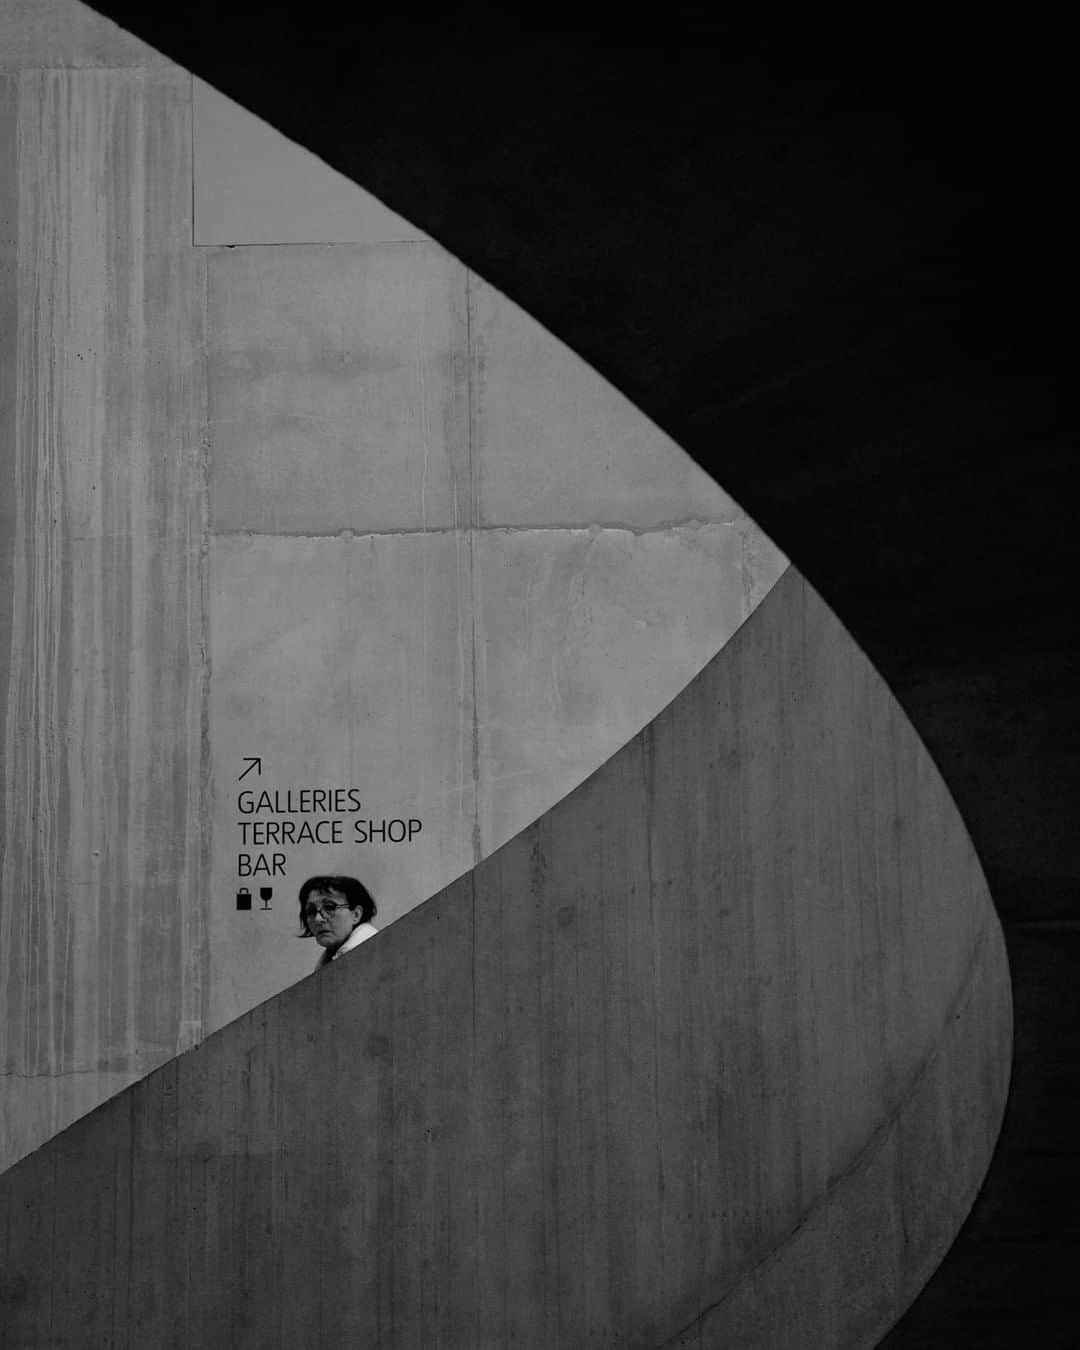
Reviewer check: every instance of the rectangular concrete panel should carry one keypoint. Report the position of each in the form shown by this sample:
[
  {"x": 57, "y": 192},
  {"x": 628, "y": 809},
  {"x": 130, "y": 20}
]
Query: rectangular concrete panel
[
  {"x": 337, "y": 385},
  {"x": 342, "y": 663},
  {"x": 582, "y": 637},
  {"x": 557, "y": 445},
  {"x": 255, "y": 186},
  {"x": 104, "y": 832}
]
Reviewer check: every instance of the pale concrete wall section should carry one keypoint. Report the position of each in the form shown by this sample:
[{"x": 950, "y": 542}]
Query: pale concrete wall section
[
  {"x": 252, "y": 186},
  {"x": 337, "y": 388},
  {"x": 714, "y": 1053},
  {"x": 104, "y": 867},
  {"x": 345, "y": 662},
  {"x": 64, "y": 33},
  {"x": 9, "y": 271}
]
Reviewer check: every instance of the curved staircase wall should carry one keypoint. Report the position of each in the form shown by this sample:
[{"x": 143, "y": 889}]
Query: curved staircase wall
[{"x": 713, "y": 1053}]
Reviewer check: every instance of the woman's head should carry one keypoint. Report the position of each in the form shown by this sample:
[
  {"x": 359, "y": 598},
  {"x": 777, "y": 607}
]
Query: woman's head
[{"x": 331, "y": 907}]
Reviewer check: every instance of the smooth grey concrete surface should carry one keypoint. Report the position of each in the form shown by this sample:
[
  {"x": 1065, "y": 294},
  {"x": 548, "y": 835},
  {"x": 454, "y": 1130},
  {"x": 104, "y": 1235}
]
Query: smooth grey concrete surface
[
  {"x": 337, "y": 388},
  {"x": 844, "y": 1274},
  {"x": 105, "y": 826},
  {"x": 253, "y": 186},
  {"x": 9, "y": 263},
  {"x": 715, "y": 1052}
]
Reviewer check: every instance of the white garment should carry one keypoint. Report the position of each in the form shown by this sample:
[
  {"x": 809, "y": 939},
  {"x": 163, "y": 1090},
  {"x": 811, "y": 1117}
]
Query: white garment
[{"x": 359, "y": 934}]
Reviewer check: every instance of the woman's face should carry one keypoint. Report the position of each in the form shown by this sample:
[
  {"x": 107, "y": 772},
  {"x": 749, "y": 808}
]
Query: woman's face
[{"x": 329, "y": 918}]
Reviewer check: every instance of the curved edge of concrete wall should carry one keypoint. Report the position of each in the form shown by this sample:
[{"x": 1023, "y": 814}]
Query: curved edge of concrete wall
[
  {"x": 714, "y": 1052},
  {"x": 897, "y": 1210}
]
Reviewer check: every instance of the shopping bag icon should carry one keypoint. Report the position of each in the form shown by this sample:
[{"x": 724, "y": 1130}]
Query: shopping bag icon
[{"x": 243, "y": 898}]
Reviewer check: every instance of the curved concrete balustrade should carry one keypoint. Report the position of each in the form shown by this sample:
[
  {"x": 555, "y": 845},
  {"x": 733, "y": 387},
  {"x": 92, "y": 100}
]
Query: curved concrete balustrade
[{"x": 712, "y": 1054}]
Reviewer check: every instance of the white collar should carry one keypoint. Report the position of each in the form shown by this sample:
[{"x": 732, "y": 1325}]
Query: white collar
[{"x": 359, "y": 934}]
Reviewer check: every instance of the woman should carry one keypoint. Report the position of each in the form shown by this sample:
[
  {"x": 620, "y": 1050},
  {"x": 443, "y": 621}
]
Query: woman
[{"x": 337, "y": 913}]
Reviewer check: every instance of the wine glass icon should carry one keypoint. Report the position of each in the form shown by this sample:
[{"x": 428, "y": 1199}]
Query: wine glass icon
[{"x": 265, "y": 892}]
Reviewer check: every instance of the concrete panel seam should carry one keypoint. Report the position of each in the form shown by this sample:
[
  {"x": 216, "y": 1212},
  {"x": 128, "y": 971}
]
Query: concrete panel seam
[
  {"x": 196, "y": 987},
  {"x": 352, "y": 245},
  {"x": 477, "y": 843},
  {"x": 745, "y": 570},
  {"x": 191, "y": 129},
  {"x": 596, "y": 527},
  {"x": 648, "y": 772},
  {"x": 38, "y": 68},
  {"x": 625, "y": 526},
  {"x": 55, "y": 1075}
]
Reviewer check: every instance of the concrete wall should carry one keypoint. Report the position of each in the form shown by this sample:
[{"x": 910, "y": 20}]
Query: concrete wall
[
  {"x": 280, "y": 479},
  {"x": 504, "y": 570},
  {"x": 712, "y": 1054},
  {"x": 102, "y": 688}
]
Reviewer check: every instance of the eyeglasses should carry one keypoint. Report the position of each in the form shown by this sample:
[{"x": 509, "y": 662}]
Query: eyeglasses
[{"x": 327, "y": 908}]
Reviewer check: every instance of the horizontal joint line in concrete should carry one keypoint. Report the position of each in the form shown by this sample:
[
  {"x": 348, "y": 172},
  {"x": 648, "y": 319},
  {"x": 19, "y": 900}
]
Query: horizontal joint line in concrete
[
  {"x": 347, "y": 533},
  {"x": 155, "y": 68},
  {"x": 316, "y": 243},
  {"x": 690, "y": 522},
  {"x": 69, "y": 1073}
]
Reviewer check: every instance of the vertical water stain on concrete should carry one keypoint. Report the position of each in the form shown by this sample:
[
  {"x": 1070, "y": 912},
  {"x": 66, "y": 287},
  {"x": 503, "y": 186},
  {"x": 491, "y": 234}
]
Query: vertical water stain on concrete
[{"x": 104, "y": 868}]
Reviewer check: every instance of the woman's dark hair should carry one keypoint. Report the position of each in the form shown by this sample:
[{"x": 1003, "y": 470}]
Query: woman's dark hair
[{"x": 355, "y": 894}]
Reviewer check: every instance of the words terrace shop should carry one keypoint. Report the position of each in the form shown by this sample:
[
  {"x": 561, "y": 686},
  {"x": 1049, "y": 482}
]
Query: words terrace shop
[{"x": 277, "y": 818}]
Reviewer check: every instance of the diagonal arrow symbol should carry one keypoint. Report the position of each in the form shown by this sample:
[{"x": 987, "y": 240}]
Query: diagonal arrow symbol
[{"x": 253, "y": 762}]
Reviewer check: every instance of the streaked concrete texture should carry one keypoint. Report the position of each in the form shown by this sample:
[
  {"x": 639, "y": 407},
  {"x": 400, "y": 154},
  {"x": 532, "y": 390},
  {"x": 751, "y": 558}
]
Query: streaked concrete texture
[
  {"x": 712, "y": 1054},
  {"x": 105, "y": 826},
  {"x": 64, "y": 33},
  {"x": 9, "y": 285},
  {"x": 337, "y": 389},
  {"x": 344, "y": 662},
  {"x": 254, "y": 186},
  {"x": 844, "y": 1275}
]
